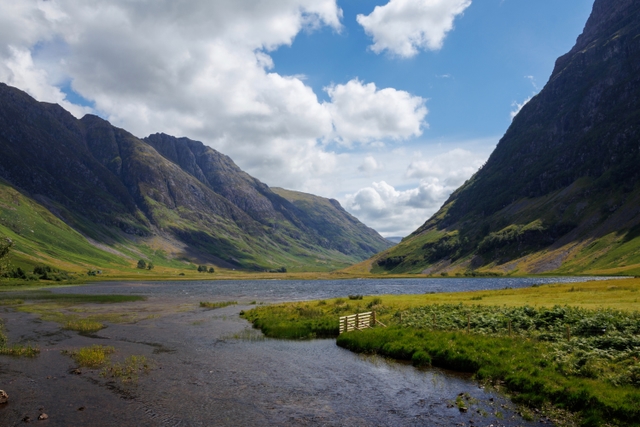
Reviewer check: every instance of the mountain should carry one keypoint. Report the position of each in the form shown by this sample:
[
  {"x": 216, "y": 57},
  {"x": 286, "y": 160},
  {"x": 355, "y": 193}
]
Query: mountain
[
  {"x": 341, "y": 230},
  {"x": 159, "y": 197},
  {"x": 561, "y": 192}
]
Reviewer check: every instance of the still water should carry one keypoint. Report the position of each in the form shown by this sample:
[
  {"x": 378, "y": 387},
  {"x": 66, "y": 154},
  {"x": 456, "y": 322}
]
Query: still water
[{"x": 299, "y": 290}]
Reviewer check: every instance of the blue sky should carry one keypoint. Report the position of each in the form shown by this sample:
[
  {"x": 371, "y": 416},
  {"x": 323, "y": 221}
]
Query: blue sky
[
  {"x": 471, "y": 82},
  {"x": 387, "y": 106}
]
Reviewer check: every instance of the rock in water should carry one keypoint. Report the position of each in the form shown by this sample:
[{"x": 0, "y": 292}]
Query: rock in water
[{"x": 4, "y": 397}]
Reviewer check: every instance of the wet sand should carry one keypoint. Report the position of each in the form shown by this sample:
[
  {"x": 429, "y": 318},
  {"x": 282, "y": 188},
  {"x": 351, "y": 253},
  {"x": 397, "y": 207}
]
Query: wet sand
[{"x": 211, "y": 369}]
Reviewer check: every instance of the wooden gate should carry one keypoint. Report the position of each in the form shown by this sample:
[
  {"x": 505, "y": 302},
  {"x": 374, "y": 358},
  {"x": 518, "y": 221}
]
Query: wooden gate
[{"x": 358, "y": 322}]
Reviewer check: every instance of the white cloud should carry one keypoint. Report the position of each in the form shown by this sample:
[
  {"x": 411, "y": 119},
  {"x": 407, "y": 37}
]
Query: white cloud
[
  {"x": 361, "y": 112},
  {"x": 517, "y": 107},
  {"x": 397, "y": 212},
  {"x": 202, "y": 69},
  {"x": 369, "y": 165},
  {"x": 402, "y": 27},
  {"x": 19, "y": 70},
  {"x": 451, "y": 168}
]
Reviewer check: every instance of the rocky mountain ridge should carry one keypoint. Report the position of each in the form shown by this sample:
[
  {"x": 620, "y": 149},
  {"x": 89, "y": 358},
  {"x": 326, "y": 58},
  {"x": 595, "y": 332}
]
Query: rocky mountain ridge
[{"x": 119, "y": 190}]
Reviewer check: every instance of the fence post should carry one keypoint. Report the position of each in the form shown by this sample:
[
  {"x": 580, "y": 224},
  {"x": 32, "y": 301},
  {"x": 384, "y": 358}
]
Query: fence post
[
  {"x": 357, "y": 322},
  {"x": 373, "y": 318},
  {"x": 346, "y": 324},
  {"x": 568, "y": 333}
]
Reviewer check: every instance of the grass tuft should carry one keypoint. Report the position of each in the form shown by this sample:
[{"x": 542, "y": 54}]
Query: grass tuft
[
  {"x": 84, "y": 326},
  {"x": 127, "y": 371},
  {"x": 18, "y": 350},
  {"x": 92, "y": 357}
]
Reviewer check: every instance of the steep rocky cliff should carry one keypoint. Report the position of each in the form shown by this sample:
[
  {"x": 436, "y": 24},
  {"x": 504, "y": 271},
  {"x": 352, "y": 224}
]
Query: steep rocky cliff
[{"x": 561, "y": 190}]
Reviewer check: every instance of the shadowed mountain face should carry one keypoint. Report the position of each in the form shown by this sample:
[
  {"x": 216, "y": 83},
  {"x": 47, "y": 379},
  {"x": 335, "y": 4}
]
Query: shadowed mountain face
[
  {"x": 560, "y": 192},
  {"x": 120, "y": 190}
]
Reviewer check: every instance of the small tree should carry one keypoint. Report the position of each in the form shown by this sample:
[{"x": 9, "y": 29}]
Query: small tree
[
  {"x": 150, "y": 266},
  {"x": 5, "y": 246},
  {"x": 142, "y": 264},
  {"x": 211, "y": 270},
  {"x": 202, "y": 268}
]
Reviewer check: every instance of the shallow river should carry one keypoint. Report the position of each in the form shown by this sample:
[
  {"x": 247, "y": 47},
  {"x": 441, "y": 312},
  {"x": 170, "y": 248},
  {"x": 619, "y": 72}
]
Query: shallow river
[{"x": 211, "y": 369}]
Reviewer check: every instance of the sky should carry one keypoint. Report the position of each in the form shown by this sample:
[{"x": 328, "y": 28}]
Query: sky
[{"x": 387, "y": 106}]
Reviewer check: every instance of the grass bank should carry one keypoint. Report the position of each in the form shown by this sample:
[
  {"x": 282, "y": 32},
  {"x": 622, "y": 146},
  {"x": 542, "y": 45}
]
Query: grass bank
[{"x": 575, "y": 346}]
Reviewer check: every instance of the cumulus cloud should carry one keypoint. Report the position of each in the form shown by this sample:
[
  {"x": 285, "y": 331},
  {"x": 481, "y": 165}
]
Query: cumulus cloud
[
  {"x": 201, "y": 69},
  {"x": 362, "y": 112},
  {"x": 397, "y": 212},
  {"x": 403, "y": 27},
  {"x": 451, "y": 168}
]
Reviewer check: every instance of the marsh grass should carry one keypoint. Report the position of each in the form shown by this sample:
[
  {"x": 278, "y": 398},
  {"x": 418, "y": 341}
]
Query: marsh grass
[
  {"x": 91, "y": 357},
  {"x": 76, "y": 320},
  {"x": 295, "y": 320},
  {"x": 214, "y": 305},
  {"x": 16, "y": 350},
  {"x": 84, "y": 325},
  {"x": 127, "y": 371},
  {"x": 43, "y": 295}
]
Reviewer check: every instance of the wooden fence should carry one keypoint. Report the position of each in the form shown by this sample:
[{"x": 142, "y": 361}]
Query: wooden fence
[{"x": 359, "y": 321}]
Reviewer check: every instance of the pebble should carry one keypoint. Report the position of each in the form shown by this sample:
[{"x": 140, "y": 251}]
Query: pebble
[{"x": 43, "y": 416}]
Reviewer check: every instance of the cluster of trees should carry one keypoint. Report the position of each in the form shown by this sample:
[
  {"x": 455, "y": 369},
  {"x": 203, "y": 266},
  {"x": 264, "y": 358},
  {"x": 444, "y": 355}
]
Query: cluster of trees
[
  {"x": 144, "y": 265},
  {"x": 204, "y": 269}
]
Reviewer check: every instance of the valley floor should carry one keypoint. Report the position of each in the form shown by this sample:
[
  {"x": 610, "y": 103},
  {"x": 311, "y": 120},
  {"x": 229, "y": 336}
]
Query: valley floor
[{"x": 209, "y": 367}]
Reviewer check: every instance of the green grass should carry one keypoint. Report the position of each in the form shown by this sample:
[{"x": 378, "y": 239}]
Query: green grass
[
  {"x": 129, "y": 370},
  {"x": 298, "y": 320},
  {"x": 525, "y": 366},
  {"x": 84, "y": 325},
  {"x": 16, "y": 350},
  {"x": 91, "y": 357},
  {"x": 43, "y": 295},
  {"x": 214, "y": 305}
]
